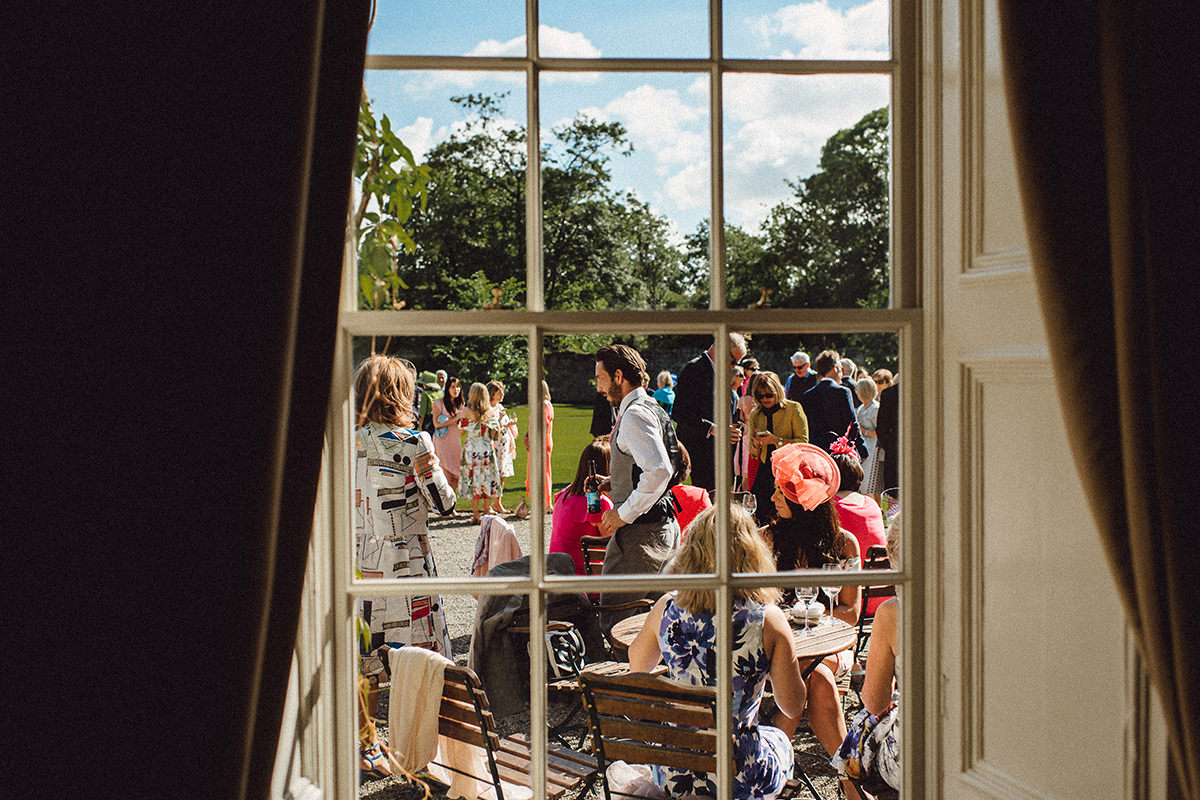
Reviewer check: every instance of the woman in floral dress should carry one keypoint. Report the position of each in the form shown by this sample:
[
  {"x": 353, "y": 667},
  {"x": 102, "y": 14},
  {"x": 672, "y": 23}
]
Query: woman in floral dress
[
  {"x": 397, "y": 481},
  {"x": 681, "y": 631},
  {"x": 479, "y": 474}
]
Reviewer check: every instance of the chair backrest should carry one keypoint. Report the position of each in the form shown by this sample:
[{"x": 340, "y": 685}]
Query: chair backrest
[
  {"x": 464, "y": 715},
  {"x": 649, "y": 719},
  {"x": 593, "y": 548},
  {"x": 876, "y": 557}
]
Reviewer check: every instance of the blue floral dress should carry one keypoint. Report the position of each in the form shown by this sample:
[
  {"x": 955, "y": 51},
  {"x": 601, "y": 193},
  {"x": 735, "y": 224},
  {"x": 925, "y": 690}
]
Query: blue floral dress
[{"x": 762, "y": 754}]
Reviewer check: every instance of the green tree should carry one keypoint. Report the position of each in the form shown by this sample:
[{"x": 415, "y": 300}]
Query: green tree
[
  {"x": 748, "y": 267},
  {"x": 832, "y": 236},
  {"x": 391, "y": 183}
]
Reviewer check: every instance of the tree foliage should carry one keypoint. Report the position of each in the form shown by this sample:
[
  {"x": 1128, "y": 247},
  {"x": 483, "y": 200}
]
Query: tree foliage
[
  {"x": 447, "y": 233},
  {"x": 831, "y": 239},
  {"x": 391, "y": 183}
]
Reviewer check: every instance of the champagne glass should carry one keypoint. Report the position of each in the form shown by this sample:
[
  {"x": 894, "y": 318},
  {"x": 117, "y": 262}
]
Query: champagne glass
[
  {"x": 806, "y": 594},
  {"x": 830, "y": 587}
]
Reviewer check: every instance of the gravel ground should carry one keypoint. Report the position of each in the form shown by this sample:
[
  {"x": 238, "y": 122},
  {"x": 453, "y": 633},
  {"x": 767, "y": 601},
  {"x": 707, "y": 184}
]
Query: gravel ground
[{"x": 453, "y": 542}]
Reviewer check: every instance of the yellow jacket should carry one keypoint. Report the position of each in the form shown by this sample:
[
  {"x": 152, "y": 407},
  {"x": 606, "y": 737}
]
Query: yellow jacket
[{"x": 789, "y": 424}]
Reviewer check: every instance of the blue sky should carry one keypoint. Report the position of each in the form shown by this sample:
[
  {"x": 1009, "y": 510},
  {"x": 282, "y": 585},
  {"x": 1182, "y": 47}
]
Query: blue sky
[{"x": 774, "y": 125}]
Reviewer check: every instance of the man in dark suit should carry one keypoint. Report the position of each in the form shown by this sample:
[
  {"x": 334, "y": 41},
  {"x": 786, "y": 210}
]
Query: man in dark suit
[
  {"x": 828, "y": 407},
  {"x": 887, "y": 428},
  {"x": 693, "y": 410},
  {"x": 848, "y": 381},
  {"x": 802, "y": 378}
]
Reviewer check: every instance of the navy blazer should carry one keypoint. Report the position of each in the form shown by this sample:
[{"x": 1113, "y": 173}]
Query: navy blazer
[{"x": 830, "y": 413}]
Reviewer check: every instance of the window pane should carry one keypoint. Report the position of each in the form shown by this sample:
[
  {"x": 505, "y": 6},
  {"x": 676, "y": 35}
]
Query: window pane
[
  {"x": 466, "y": 132},
  {"x": 837, "y": 30},
  {"x": 424, "y": 28},
  {"x": 625, "y": 184},
  {"x": 624, "y": 29},
  {"x": 807, "y": 177}
]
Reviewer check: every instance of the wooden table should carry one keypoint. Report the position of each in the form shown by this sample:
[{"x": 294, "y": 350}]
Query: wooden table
[{"x": 820, "y": 641}]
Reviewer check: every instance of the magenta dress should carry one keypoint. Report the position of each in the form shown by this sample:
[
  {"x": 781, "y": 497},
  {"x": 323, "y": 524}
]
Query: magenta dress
[
  {"x": 570, "y": 521},
  {"x": 860, "y": 515}
]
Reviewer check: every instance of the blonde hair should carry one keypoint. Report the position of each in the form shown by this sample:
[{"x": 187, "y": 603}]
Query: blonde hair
[
  {"x": 479, "y": 399},
  {"x": 748, "y": 552},
  {"x": 866, "y": 388},
  {"x": 893, "y": 542},
  {"x": 772, "y": 382},
  {"x": 383, "y": 391}
]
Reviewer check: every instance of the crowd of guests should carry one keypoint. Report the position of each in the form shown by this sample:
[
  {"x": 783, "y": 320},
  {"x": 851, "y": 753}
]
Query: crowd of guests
[{"x": 812, "y": 451}]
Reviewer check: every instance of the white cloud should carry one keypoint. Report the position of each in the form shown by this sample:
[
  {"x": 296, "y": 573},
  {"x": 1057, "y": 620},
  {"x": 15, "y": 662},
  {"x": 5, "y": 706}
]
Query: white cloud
[
  {"x": 823, "y": 32},
  {"x": 775, "y": 128},
  {"x": 419, "y": 136},
  {"x": 552, "y": 42},
  {"x": 688, "y": 188},
  {"x": 660, "y": 122}
]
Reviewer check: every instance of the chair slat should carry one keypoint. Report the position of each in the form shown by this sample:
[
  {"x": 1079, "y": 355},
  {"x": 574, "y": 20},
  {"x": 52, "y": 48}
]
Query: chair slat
[
  {"x": 635, "y": 753},
  {"x": 622, "y": 728},
  {"x": 658, "y": 711}
]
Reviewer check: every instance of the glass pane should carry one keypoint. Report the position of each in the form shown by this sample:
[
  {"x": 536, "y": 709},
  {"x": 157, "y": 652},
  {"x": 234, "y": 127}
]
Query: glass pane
[
  {"x": 625, "y": 184},
  {"x": 822, "y": 29},
  {"x": 624, "y": 29},
  {"x": 424, "y": 28},
  {"x": 807, "y": 177},
  {"x": 466, "y": 133}
]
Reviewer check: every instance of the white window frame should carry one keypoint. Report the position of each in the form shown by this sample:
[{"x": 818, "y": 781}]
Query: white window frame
[{"x": 329, "y": 652}]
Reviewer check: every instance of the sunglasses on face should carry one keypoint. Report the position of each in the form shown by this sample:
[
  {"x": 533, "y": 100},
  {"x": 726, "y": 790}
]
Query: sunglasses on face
[{"x": 764, "y": 395}]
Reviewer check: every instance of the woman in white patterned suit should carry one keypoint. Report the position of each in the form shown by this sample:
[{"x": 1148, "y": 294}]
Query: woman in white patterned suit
[{"x": 397, "y": 482}]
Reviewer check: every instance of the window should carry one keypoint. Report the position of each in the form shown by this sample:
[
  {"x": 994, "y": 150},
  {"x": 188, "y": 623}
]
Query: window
[{"x": 707, "y": 89}]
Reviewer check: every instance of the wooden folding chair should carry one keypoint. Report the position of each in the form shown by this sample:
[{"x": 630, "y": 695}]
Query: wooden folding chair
[
  {"x": 464, "y": 716},
  {"x": 593, "y": 548},
  {"x": 876, "y": 558},
  {"x": 648, "y": 719}
]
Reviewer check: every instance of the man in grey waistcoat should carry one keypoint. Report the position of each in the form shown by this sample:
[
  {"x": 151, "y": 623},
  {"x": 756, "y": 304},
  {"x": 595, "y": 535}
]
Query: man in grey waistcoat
[{"x": 641, "y": 472}]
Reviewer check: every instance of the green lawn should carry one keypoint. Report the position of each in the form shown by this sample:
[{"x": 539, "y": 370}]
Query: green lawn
[{"x": 572, "y": 425}]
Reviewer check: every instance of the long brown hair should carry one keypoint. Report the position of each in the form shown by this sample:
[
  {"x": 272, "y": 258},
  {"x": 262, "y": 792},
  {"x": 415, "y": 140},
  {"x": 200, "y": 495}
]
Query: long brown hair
[
  {"x": 595, "y": 456},
  {"x": 453, "y": 404},
  {"x": 810, "y": 538},
  {"x": 383, "y": 391}
]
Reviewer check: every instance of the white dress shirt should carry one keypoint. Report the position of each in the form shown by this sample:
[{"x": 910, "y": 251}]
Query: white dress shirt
[{"x": 638, "y": 434}]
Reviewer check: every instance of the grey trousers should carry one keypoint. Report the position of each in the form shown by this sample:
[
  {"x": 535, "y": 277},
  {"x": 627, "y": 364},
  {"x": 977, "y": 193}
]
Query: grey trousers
[{"x": 638, "y": 549}]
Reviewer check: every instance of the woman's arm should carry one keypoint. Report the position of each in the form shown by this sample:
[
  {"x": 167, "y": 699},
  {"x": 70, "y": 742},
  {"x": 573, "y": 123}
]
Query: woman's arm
[
  {"x": 431, "y": 481},
  {"x": 850, "y": 597},
  {"x": 439, "y": 410},
  {"x": 644, "y": 652},
  {"x": 881, "y": 657},
  {"x": 786, "y": 683}
]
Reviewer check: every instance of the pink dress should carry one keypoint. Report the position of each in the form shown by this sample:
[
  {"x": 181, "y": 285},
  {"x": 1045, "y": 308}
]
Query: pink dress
[
  {"x": 447, "y": 442},
  {"x": 570, "y": 521},
  {"x": 860, "y": 515},
  {"x": 549, "y": 423}
]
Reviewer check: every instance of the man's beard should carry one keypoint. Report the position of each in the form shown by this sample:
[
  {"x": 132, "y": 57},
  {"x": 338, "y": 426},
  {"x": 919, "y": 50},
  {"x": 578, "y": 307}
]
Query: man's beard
[{"x": 615, "y": 399}]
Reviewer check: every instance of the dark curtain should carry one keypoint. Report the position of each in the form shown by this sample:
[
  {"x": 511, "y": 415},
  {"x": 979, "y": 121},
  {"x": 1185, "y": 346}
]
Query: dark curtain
[
  {"x": 185, "y": 180},
  {"x": 1105, "y": 102}
]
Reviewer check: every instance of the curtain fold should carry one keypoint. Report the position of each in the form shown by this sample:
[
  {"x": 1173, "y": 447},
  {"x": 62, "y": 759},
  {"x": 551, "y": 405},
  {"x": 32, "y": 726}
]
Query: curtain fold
[
  {"x": 333, "y": 119},
  {"x": 1104, "y": 100}
]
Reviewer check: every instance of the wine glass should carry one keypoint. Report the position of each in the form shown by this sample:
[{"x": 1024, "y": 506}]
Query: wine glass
[
  {"x": 749, "y": 502},
  {"x": 806, "y": 594},
  {"x": 830, "y": 587}
]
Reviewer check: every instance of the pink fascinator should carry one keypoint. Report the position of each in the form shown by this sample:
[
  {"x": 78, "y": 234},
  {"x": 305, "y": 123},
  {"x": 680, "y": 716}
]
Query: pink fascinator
[
  {"x": 842, "y": 446},
  {"x": 806, "y": 474}
]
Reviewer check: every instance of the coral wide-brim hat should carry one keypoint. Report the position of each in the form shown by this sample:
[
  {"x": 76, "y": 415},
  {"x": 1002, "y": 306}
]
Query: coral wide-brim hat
[{"x": 806, "y": 474}]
